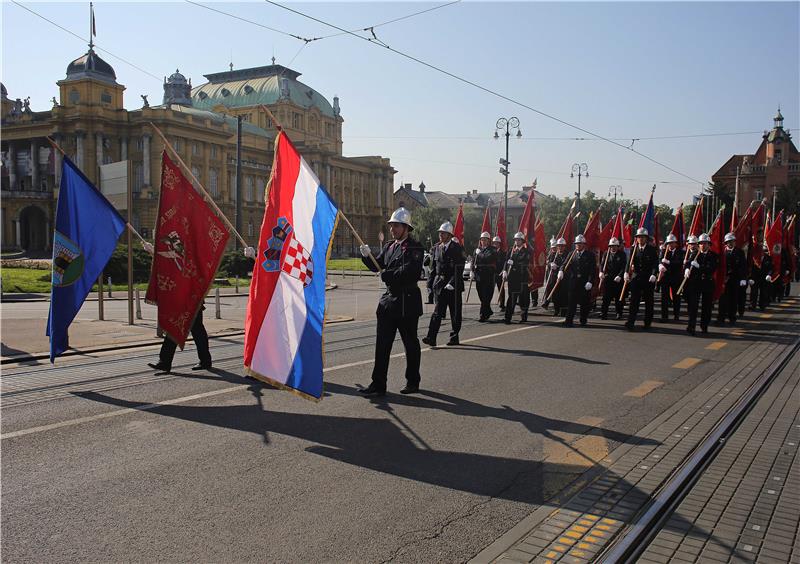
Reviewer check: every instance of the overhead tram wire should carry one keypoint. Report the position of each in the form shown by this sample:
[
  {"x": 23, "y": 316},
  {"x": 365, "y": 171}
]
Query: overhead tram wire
[
  {"x": 380, "y": 43},
  {"x": 106, "y": 51},
  {"x": 292, "y": 35},
  {"x": 483, "y": 138}
]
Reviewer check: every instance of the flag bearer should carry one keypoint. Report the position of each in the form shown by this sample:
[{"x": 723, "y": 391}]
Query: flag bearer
[
  {"x": 484, "y": 273},
  {"x": 670, "y": 272},
  {"x": 612, "y": 278},
  {"x": 580, "y": 274},
  {"x": 642, "y": 278},
  {"x": 735, "y": 279},
  {"x": 702, "y": 263},
  {"x": 448, "y": 284}
]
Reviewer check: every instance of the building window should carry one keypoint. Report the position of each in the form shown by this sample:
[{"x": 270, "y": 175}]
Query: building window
[
  {"x": 759, "y": 195},
  {"x": 296, "y": 120},
  {"x": 248, "y": 194},
  {"x": 196, "y": 173},
  {"x": 105, "y": 97},
  {"x": 249, "y": 228},
  {"x": 138, "y": 177},
  {"x": 195, "y": 149},
  {"x": 261, "y": 185},
  {"x": 213, "y": 151},
  {"x": 178, "y": 144},
  {"x": 213, "y": 185},
  {"x": 74, "y": 96},
  {"x": 140, "y": 144}
]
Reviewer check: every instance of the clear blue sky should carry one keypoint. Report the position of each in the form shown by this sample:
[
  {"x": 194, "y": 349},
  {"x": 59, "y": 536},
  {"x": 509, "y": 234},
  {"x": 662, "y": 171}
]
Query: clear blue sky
[{"x": 623, "y": 70}]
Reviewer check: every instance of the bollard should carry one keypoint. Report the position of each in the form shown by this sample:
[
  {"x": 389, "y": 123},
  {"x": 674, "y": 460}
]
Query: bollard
[
  {"x": 109, "y": 286},
  {"x": 217, "y": 313},
  {"x": 138, "y": 305},
  {"x": 237, "y": 283}
]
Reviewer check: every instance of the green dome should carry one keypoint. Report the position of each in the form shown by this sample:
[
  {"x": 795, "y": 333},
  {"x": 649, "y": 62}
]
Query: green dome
[{"x": 259, "y": 85}]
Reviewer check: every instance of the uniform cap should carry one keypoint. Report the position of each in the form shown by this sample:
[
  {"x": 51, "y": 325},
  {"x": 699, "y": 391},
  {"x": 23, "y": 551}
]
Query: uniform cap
[
  {"x": 497, "y": 239},
  {"x": 401, "y": 215}
]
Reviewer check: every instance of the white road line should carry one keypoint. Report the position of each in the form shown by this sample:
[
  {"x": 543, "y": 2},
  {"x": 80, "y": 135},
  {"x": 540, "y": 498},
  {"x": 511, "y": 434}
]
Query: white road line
[{"x": 151, "y": 406}]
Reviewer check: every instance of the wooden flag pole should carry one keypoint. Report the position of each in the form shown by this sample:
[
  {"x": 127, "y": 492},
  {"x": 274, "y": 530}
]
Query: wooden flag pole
[
  {"x": 359, "y": 239},
  {"x": 680, "y": 289},
  {"x": 605, "y": 264},
  {"x": 630, "y": 266},
  {"x": 566, "y": 266},
  {"x": 198, "y": 184},
  {"x": 128, "y": 225}
]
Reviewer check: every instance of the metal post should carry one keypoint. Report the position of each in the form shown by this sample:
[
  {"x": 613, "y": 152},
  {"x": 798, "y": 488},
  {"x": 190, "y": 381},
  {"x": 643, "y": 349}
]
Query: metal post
[
  {"x": 217, "y": 312},
  {"x": 238, "y": 212},
  {"x": 100, "y": 297},
  {"x": 505, "y": 191},
  {"x": 138, "y": 305},
  {"x": 109, "y": 287},
  {"x": 237, "y": 283}
]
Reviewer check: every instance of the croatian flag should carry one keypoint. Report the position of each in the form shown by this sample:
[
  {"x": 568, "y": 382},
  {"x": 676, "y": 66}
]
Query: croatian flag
[{"x": 286, "y": 309}]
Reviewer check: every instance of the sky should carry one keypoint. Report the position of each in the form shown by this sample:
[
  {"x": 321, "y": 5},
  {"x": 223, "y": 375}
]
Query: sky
[{"x": 621, "y": 70}]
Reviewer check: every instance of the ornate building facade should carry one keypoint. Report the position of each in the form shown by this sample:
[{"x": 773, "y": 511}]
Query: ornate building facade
[{"x": 91, "y": 125}]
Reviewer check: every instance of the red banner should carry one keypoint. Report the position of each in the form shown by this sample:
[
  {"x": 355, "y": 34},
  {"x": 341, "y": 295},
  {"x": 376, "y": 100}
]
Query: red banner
[
  {"x": 487, "y": 220},
  {"x": 501, "y": 228},
  {"x": 605, "y": 236},
  {"x": 698, "y": 226},
  {"x": 757, "y": 234},
  {"x": 742, "y": 229},
  {"x": 189, "y": 242},
  {"x": 717, "y": 236},
  {"x": 592, "y": 232},
  {"x": 534, "y": 236},
  {"x": 458, "y": 230},
  {"x": 774, "y": 239},
  {"x": 616, "y": 231}
]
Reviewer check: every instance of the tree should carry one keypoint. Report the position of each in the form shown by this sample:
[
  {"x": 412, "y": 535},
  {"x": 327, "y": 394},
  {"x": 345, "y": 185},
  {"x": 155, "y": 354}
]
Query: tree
[{"x": 426, "y": 222}]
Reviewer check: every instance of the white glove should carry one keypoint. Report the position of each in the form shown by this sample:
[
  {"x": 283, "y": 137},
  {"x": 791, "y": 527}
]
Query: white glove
[
  {"x": 686, "y": 273},
  {"x": 449, "y": 287},
  {"x": 472, "y": 276},
  {"x": 602, "y": 275},
  {"x": 553, "y": 266},
  {"x": 148, "y": 247},
  {"x": 664, "y": 261},
  {"x": 505, "y": 275},
  {"x": 751, "y": 282},
  {"x": 627, "y": 277},
  {"x": 695, "y": 264},
  {"x": 617, "y": 279},
  {"x": 768, "y": 278},
  {"x": 742, "y": 283},
  {"x": 365, "y": 250},
  {"x": 510, "y": 262},
  {"x": 662, "y": 268},
  {"x": 786, "y": 273},
  {"x": 652, "y": 278},
  {"x": 250, "y": 252},
  {"x": 588, "y": 286},
  {"x": 560, "y": 274},
  {"x": 477, "y": 251}
]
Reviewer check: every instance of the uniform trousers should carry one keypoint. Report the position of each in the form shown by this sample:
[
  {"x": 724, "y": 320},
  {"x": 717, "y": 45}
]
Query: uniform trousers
[
  {"x": 388, "y": 326},
  {"x": 641, "y": 289},
  {"x": 200, "y": 337},
  {"x": 701, "y": 292}
]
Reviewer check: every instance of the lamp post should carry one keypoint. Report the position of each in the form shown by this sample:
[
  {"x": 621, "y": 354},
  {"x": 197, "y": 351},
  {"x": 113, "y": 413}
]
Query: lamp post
[
  {"x": 506, "y": 124},
  {"x": 615, "y": 191}
]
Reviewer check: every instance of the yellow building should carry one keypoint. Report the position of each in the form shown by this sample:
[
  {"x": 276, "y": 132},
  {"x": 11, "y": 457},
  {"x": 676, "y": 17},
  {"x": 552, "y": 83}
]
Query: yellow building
[{"x": 92, "y": 126}]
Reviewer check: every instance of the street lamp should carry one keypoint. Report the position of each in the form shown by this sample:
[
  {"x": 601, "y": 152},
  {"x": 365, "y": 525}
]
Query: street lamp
[
  {"x": 615, "y": 191},
  {"x": 507, "y": 125},
  {"x": 583, "y": 170}
]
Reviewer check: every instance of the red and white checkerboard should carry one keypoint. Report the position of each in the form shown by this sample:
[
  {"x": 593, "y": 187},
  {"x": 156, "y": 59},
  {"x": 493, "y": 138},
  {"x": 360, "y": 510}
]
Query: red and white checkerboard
[{"x": 297, "y": 263}]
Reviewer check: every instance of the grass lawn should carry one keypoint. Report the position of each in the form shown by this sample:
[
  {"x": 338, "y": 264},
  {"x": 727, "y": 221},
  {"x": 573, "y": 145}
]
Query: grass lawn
[
  {"x": 28, "y": 280},
  {"x": 347, "y": 264}
]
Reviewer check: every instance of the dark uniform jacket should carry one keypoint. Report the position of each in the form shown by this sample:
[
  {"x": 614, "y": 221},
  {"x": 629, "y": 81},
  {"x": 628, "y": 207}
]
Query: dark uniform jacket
[
  {"x": 580, "y": 270},
  {"x": 708, "y": 265},
  {"x": 402, "y": 267},
  {"x": 615, "y": 265},
  {"x": 759, "y": 272},
  {"x": 448, "y": 266},
  {"x": 645, "y": 263},
  {"x": 674, "y": 273},
  {"x": 735, "y": 265},
  {"x": 518, "y": 271},
  {"x": 501, "y": 262},
  {"x": 485, "y": 264}
]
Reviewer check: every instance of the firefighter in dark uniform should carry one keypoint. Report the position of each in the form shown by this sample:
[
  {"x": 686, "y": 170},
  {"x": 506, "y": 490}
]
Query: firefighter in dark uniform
[
  {"x": 579, "y": 273},
  {"x": 611, "y": 278},
  {"x": 779, "y": 287},
  {"x": 735, "y": 279},
  {"x": 760, "y": 276},
  {"x": 428, "y": 261},
  {"x": 559, "y": 296},
  {"x": 550, "y": 276},
  {"x": 641, "y": 277},
  {"x": 670, "y": 273},
  {"x": 400, "y": 307},
  {"x": 484, "y": 272},
  {"x": 516, "y": 275},
  {"x": 497, "y": 243},
  {"x": 448, "y": 284},
  {"x": 702, "y": 263}
]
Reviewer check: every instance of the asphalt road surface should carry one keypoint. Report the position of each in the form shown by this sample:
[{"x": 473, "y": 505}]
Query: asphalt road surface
[{"x": 104, "y": 461}]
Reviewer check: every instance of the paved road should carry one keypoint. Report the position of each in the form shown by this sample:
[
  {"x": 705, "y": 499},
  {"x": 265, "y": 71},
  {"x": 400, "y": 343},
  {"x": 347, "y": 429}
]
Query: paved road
[{"x": 104, "y": 461}]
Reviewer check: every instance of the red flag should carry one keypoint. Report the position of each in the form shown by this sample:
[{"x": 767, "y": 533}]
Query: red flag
[
  {"x": 592, "y": 231},
  {"x": 567, "y": 225},
  {"x": 538, "y": 264},
  {"x": 487, "y": 220},
  {"x": 458, "y": 230},
  {"x": 526, "y": 222},
  {"x": 698, "y": 225},
  {"x": 757, "y": 234},
  {"x": 189, "y": 242},
  {"x": 717, "y": 236},
  {"x": 742, "y": 229},
  {"x": 616, "y": 231},
  {"x": 628, "y": 233},
  {"x": 788, "y": 244},
  {"x": 678, "y": 227},
  {"x": 605, "y": 235},
  {"x": 774, "y": 239},
  {"x": 501, "y": 228}
]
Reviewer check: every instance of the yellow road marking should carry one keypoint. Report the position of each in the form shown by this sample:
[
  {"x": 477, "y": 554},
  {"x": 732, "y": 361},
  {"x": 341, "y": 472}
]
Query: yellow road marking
[
  {"x": 551, "y": 554},
  {"x": 687, "y": 362},
  {"x": 738, "y": 332},
  {"x": 716, "y": 345},
  {"x": 765, "y": 315},
  {"x": 643, "y": 389}
]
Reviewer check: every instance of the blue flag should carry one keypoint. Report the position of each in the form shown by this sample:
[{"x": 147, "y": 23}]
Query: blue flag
[
  {"x": 86, "y": 233},
  {"x": 648, "y": 218}
]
